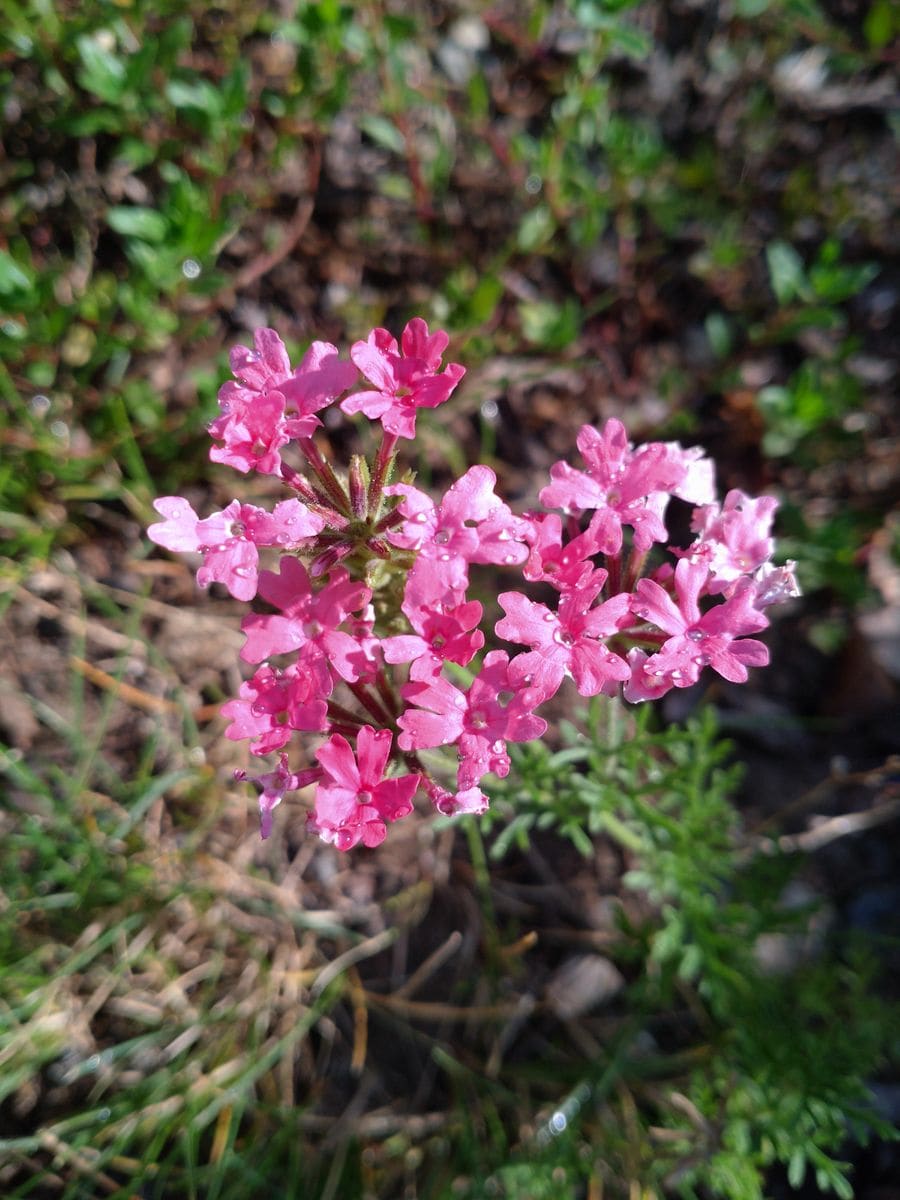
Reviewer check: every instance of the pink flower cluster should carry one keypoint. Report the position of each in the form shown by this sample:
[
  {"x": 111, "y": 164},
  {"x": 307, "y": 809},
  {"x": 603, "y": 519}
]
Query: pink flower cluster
[{"x": 371, "y": 639}]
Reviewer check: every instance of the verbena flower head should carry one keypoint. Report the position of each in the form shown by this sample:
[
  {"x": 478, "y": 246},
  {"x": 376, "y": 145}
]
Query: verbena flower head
[{"x": 373, "y": 668}]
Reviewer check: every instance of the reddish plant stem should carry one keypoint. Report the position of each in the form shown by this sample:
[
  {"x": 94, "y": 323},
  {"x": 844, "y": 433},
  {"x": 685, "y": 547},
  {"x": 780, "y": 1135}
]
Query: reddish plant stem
[
  {"x": 635, "y": 565},
  {"x": 387, "y": 693},
  {"x": 614, "y": 567},
  {"x": 380, "y": 471},
  {"x": 344, "y": 714},
  {"x": 318, "y": 501},
  {"x": 348, "y": 731},
  {"x": 372, "y": 705},
  {"x": 330, "y": 481}
]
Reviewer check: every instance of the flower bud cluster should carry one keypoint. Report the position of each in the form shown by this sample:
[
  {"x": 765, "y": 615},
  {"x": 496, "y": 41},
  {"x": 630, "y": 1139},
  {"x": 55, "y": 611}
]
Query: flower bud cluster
[{"x": 373, "y": 642}]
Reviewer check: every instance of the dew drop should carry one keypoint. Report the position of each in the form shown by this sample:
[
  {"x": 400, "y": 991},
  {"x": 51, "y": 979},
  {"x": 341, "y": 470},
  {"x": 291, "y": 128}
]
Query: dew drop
[
  {"x": 696, "y": 635},
  {"x": 242, "y": 572},
  {"x": 499, "y": 747},
  {"x": 549, "y": 616},
  {"x": 190, "y": 268},
  {"x": 442, "y": 537}
]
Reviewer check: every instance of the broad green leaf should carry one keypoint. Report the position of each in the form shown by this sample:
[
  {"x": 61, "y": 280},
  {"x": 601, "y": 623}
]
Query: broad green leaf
[
  {"x": 136, "y": 221},
  {"x": 102, "y": 73},
  {"x": 786, "y": 273},
  {"x": 12, "y": 277},
  {"x": 383, "y": 132}
]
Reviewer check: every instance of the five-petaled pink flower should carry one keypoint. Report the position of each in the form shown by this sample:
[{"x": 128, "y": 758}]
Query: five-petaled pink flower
[
  {"x": 696, "y": 639},
  {"x": 354, "y": 800},
  {"x": 308, "y": 623},
  {"x": 568, "y": 641},
  {"x": 403, "y": 381}
]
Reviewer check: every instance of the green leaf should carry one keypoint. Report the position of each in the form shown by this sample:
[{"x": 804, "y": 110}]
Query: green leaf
[
  {"x": 12, "y": 277},
  {"x": 786, "y": 273},
  {"x": 131, "y": 220},
  {"x": 550, "y": 325},
  {"x": 536, "y": 228},
  {"x": 199, "y": 95},
  {"x": 383, "y": 132},
  {"x": 102, "y": 72},
  {"x": 882, "y": 24},
  {"x": 718, "y": 334}
]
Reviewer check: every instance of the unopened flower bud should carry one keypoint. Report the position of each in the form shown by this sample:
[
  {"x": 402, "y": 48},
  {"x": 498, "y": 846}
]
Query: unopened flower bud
[{"x": 359, "y": 486}]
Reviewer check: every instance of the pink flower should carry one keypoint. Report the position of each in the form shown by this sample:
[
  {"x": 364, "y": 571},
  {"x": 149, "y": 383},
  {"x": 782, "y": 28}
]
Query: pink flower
[
  {"x": 252, "y": 423},
  {"x": 228, "y": 540},
  {"x": 470, "y": 525},
  {"x": 564, "y": 565},
  {"x": 734, "y": 539},
  {"x": 354, "y": 801},
  {"x": 403, "y": 382},
  {"x": 568, "y": 641},
  {"x": 253, "y": 436},
  {"x": 700, "y": 639},
  {"x": 316, "y": 383},
  {"x": 273, "y": 785},
  {"x": 271, "y": 706},
  {"x": 265, "y": 366},
  {"x": 649, "y": 681},
  {"x": 308, "y": 622},
  {"x": 774, "y": 585},
  {"x": 496, "y": 709},
  {"x": 447, "y": 634},
  {"x": 626, "y": 486}
]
